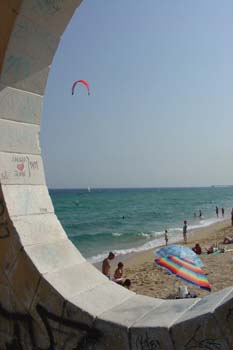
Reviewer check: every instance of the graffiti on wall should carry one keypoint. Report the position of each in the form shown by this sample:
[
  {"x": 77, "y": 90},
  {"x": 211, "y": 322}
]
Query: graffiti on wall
[
  {"x": 20, "y": 167},
  {"x": 72, "y": 334},
  {"x": 4, "y": 229},
  {"x": 196, "y": 342},
  {"x": 48, "y": 7},
  {"x": 23, "y": 166},
  {"x": 146, "y": 342},
  {"x": 17, "y": 65}
]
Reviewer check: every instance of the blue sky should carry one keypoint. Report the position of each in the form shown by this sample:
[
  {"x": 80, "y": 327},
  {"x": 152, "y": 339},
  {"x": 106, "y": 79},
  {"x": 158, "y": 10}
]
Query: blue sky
[{"x": 160, "y": 110}]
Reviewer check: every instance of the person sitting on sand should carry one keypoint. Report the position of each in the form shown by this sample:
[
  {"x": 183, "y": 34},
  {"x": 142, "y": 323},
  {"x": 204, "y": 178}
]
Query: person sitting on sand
[
  {"x": 227, "y": 240},
  {"x": 106, "y": 266},
  {"x": 197, "y": 249},
  {"x": 118, "y": 275},
  {"x": 127, "y": 283}
]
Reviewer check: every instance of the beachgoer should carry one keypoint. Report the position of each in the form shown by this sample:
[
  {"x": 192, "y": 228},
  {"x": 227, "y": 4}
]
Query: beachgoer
[
  {"x": 227, "y": 240},
  {"x": 166, "y": 236},
  {"x": 185, "y": 231},
  {"x": 213, "y": 249},
  {"x": 118, "y": 275},
  {"x": 232, "y": 217},
  {"x": 223, "y": 212},
  {"x": 127, "y": 283},
  {"x": 106, "y": 266},
  {"x": 216, "y": 211},
  {"x": 200, "y": 214},
  {"x": 210, "y": 250},
  {"x": 197, "y": 249}
]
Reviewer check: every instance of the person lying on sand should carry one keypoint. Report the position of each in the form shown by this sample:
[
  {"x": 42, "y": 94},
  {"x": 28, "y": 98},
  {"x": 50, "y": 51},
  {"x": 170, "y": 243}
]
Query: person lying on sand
[
  {"x": 197, "y": 249},
  {"x": 214, "y": 249},
  {"x": 227, "y": 240},
  {"x": 210, "y": 250}
]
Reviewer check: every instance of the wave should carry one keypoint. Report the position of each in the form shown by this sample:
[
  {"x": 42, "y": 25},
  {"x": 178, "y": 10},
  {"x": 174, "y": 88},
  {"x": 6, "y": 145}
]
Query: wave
[
  {"x": 144, "y": 235},
  {"x": 117, "y": 234},
  {"x": 158, "y": 241}
]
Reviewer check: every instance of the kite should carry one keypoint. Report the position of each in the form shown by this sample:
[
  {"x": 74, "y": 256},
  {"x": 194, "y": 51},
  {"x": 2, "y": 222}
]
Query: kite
[{"x": 84, "y": 82}]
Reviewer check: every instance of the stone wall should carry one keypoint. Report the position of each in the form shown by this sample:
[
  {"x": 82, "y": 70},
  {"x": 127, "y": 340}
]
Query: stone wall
[{"x": 51, "y": 298}]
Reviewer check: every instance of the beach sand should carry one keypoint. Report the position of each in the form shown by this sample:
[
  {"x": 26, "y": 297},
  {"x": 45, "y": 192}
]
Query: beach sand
[{"x": 151, "y": 280}]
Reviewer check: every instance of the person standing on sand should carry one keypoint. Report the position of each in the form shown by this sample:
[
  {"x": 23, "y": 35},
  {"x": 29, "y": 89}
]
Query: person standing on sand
[
  {"x": 106, "y": 266},
  {"x": 216, "y": 211},
  {"x": 185, "y": 231},
  {"x": 166, "y": 237},
  {"x": 223, "y": 212}
]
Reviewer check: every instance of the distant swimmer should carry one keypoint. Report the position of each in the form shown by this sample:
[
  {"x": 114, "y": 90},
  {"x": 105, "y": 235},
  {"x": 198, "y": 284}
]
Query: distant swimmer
[
  {"x": 200, "y": 214},
  {"x": 166, "y": 236},
  {"x": 216, "y": 211}
]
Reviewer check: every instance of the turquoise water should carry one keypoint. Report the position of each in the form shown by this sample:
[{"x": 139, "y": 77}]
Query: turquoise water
[{"x": 130, "y": 220}]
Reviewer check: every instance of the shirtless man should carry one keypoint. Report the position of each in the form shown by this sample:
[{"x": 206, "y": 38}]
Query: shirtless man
[{"x": 106, "y": 266}]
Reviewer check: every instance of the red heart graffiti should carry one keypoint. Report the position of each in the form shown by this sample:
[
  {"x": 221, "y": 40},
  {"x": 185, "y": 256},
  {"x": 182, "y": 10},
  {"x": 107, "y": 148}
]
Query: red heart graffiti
[{"x": 20, "y": 167}]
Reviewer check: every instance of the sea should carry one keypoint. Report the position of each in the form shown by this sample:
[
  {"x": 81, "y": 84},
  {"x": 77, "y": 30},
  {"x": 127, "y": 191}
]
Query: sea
[{"x": 134, "y": 219}]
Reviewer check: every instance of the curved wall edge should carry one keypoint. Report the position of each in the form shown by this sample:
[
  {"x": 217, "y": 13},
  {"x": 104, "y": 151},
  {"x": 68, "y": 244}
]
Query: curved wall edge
[{"x": 50, "y": 296}]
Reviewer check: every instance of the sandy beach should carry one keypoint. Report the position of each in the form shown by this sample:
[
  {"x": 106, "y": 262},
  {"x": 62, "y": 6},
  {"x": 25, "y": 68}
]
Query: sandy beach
[{"x": 150, "y": 280}]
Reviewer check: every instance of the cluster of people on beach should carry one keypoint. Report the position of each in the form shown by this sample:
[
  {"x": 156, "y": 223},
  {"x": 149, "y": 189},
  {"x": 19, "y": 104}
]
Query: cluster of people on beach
[
  {"x": 118, "y": 274},
  {"x": 185, "y": 225},
  {"x": 212, "y": 249},
  {"x": 216, "y": 211}
]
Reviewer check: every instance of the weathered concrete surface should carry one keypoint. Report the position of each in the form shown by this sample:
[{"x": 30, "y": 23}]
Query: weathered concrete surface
[
  {"x": 21, "y": 106},
  {"x": 50, "y": 297}
]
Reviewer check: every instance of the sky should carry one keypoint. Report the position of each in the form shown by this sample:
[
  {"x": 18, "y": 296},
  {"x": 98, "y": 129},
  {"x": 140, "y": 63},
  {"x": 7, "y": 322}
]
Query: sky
[{"x": 160, "y": 110}]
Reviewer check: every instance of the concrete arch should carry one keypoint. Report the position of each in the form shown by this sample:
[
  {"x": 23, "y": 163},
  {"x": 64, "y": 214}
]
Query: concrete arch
[{"x": 50, "y": 297}]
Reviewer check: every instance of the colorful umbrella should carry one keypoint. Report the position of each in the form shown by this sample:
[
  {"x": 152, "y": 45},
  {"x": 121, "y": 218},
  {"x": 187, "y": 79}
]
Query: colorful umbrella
[
  {"x": 185, "y": 270},
  {"x": 180, "y": 251}
]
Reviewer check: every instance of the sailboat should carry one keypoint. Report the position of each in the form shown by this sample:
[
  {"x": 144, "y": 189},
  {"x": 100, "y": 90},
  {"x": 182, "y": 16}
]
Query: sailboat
[{"x": 89, "y": 189}]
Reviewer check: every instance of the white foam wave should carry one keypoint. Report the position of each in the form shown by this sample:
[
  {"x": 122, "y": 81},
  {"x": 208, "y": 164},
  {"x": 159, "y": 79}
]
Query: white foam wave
[
  {"x": 144, "y": 235},
  {"x": 158, "y": 239},
  {"x": 117, "y": 234}
]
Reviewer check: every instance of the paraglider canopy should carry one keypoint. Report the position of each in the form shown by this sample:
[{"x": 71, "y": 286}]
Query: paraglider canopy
[{"x": 84, "y": 82}]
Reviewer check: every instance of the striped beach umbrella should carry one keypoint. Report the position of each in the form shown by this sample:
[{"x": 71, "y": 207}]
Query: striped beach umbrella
[
  {"x": 179, "y": 250},
  {"x": 186, "y": 270}
]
